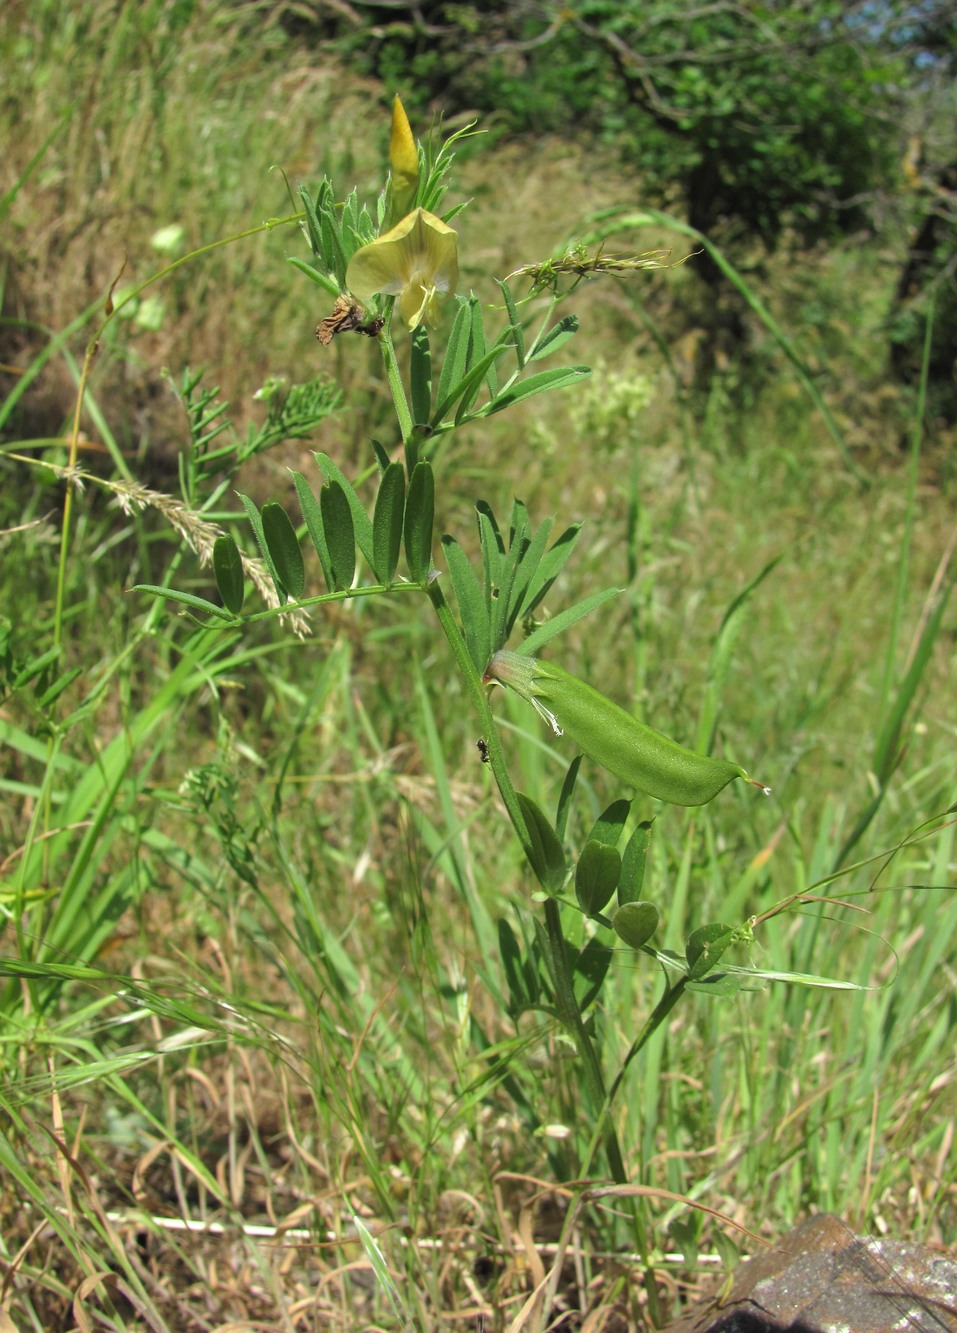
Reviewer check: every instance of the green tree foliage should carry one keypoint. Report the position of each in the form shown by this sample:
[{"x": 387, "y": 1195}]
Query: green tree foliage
[
  {"x": 756, "y": 119},
  {"x": 927, "y": 286},
  {"x": 761, "y": 115}
]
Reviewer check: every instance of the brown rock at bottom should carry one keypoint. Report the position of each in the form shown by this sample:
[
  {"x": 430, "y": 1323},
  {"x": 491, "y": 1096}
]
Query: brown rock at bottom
[{"x": 822, "y": 1278}]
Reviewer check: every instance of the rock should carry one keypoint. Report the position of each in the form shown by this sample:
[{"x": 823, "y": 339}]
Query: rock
[{"x": 821, "y": 1278}]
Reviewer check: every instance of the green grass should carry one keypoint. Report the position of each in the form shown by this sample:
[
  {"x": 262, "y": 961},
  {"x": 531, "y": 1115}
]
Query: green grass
[{"x": 251, "y": 886}]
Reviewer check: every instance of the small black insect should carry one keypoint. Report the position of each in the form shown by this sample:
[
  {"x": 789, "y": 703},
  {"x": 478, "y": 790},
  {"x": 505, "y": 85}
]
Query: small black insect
[{"x": 482, "y": 746}]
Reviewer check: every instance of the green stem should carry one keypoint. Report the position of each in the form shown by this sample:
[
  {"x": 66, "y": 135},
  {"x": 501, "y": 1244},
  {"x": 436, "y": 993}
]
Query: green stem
[
  {"x": 566, "y": 1002},
  {"x": 496, "y": 755},
  {"x": 568, "y": 1010},
  {"x": 658, "y": 1015},
  {"x": 571, "y": 1018},
  {"x": 396, "y": 387}
]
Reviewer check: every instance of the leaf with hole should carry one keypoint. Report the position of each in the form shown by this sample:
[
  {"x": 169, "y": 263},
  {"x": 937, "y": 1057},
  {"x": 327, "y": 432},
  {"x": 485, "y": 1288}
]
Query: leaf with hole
[
  {"x": 493, "y": 553},
  {"x": 505, "y": 582},
  {"x": 705, "y": 947}
]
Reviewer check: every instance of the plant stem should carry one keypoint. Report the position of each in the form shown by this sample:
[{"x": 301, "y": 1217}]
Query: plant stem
[
  {"x": 568, "y": 1011},
  {"x": 496, "y": 755},
  {"x": 566, "y": 1002},
  {"x": 570, "y": 1015},
  {"x": 571, "y": 1018},
  {"x": 396, "y": 387},
  {"x": 658, "y": 1015}
]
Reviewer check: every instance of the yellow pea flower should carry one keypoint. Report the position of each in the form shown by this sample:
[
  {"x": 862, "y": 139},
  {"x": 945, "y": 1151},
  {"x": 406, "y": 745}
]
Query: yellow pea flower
[
  {"x": 403, "y": 160},
  {"x": 417, "y": 261}
]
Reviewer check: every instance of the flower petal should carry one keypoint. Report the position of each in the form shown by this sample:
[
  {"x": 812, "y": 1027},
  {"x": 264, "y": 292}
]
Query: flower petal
[
  {"x": 440, "y": 244},
  {"x": 383, "y": 265},
  {"x": 417, "y": 303},
  {"x": 416, "y": 259}
]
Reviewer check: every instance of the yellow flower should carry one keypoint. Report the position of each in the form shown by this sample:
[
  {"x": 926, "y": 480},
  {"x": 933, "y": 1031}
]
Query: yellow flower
[
  {"x": 417, "y": 261},
  {"x": 404, "y": 161}
]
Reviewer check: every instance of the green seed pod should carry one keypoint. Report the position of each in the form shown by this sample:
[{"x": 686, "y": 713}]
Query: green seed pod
[{"x": 632, "y": 751}]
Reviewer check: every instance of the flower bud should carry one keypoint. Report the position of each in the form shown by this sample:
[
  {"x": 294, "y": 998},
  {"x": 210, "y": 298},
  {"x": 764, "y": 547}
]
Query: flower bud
[{"x": 403, "y": 161}]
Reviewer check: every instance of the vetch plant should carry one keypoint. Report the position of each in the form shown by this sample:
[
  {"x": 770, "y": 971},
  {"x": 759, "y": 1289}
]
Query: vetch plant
[
  {"x": 412, "y": 265},
  {"x": 392, "y": 273},
  {"x": 249, "y": 837},
  {"x": 409, "y": 267}
]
